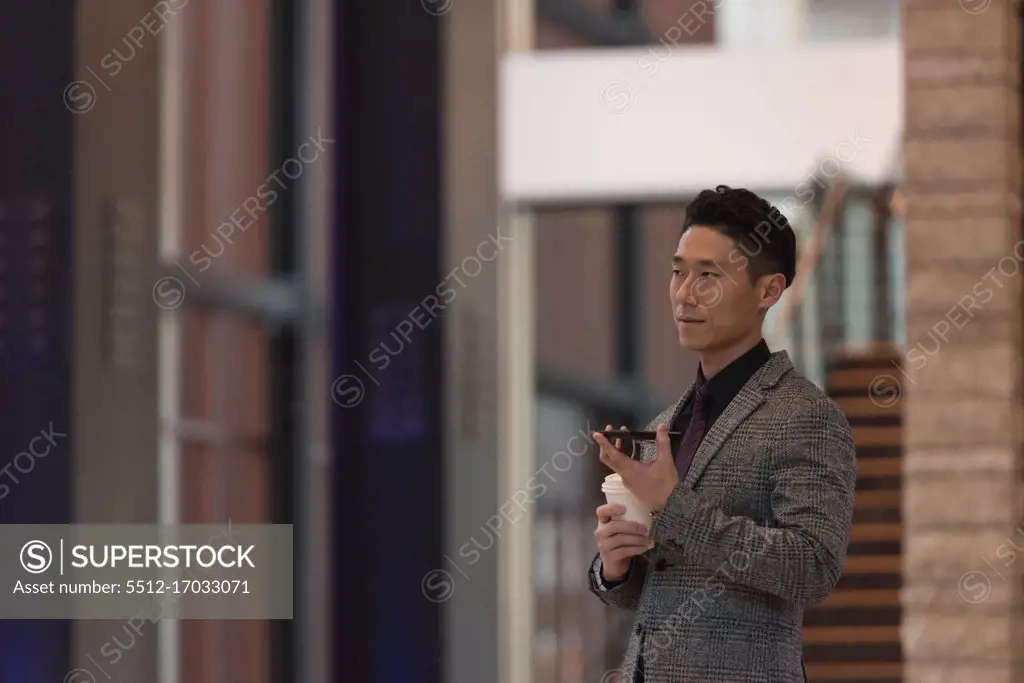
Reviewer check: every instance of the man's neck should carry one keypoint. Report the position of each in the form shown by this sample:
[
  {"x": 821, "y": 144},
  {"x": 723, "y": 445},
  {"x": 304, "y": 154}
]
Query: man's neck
[{"x": 713, "y": 362}]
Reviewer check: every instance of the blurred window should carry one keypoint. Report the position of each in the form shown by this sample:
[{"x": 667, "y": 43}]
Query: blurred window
[
  {"x": 565, "y": 24},
  {"x": 577, "y": 639},
  {"x": 576, "y": 275},
  {"x": 607, "y": 354},
  {"x": 830, "y": 20}
]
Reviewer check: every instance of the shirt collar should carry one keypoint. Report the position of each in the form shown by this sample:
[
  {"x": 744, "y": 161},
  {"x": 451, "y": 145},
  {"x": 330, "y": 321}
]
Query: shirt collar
[{"x": 723, "y": 387}]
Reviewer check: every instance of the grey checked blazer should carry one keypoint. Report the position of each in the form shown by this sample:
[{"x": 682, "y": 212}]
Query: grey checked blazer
[{"x": 757, "y": 530}]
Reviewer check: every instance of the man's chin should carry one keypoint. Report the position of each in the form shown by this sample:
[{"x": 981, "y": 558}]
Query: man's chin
[{"x": 692, "y": 342}]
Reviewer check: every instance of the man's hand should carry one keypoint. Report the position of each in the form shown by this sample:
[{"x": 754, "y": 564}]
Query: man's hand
[
  {"x": 618, "y": 541},
  {"x": 651, "y": 482}
]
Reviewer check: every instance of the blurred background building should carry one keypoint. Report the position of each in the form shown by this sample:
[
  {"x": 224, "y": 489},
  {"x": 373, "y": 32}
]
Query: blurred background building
[{"x": 377, "y": 270}]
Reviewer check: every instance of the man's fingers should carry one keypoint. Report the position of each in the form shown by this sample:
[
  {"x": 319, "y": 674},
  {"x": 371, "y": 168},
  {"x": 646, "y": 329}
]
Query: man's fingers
[
  {"x": 611, "y": 543},
  {"x": 610, "y": 456},
  {"x": 618, "y": 540},
  {"x": 606, "y": 450},
  {"x": 664, "y": 445},
  {"x": 620, "y": 526},
  {"x": 618, "y": 443},
  {"x": 605, "y": 444},
  {"x": 609, "y": 511},
  {"x": 625, "y": 552},
  {"x": 601, "y": 441}
]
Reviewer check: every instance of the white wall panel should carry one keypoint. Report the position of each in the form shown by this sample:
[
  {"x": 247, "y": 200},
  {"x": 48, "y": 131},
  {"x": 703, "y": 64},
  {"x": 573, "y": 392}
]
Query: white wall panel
[{"x": 606, "y": 125}]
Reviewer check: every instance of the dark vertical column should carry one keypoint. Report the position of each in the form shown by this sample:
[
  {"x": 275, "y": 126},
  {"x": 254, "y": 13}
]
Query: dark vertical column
[
  {"x": 630, "y": 304},
  {"x": 35, "y": 275},
  {"x": 387, "y": 438},
  {"x": 629, "y": 315},
  {"x": 285, "y": 361},
  {"x": 884, "y": 308}
]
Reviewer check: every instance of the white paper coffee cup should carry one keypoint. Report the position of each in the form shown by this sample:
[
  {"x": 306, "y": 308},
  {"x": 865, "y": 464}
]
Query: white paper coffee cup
[{"x": 616, "y": 492}]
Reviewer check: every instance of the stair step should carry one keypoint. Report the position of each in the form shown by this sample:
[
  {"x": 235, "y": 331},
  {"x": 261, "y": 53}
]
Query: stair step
[
  {"x": 873, "y": 564},
  {"x": 855, "y": 672},
  {"x": 863, "y": 406},
  {"x": 878, "y": 436},
  {"x": 878, "y": 500},
  {"x": 851, "y": 634},
  {"x": 879, "y": 467},
  {"x": 862, "y": 378},
  {"x": 852, "y": 354},
  {"x": 891, "y": 531},
  {"x": 862, "y": 598}
]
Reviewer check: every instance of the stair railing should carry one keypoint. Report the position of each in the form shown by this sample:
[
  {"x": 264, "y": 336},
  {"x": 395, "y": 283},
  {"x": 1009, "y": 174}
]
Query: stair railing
[
  {"x": 847, "y": 291},
  {"x": 814, "y": 340}
]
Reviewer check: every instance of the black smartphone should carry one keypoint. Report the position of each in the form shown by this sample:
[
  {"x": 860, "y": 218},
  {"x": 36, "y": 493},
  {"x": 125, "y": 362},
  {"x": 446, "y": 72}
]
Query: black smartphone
[{"x": 637, "y": 436}]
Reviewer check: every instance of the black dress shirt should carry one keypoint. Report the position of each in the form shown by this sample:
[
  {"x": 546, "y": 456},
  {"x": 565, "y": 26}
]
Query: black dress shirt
[{"x": 723, "y": 387}]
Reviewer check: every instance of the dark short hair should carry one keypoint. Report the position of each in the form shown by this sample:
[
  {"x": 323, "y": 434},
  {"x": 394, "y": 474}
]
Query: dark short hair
[{"x": 759, "y": 230}]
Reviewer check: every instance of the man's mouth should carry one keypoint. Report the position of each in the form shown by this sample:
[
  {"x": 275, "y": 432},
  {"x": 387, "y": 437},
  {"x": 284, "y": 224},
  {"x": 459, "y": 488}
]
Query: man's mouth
[{"x": 689, "y": 319}]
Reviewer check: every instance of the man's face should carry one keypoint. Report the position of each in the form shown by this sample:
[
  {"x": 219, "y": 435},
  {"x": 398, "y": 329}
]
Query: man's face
[{"x": 714, "y": 302}]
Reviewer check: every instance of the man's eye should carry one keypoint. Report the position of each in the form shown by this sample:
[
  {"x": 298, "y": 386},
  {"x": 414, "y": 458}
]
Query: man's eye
[
  {"x": 708, "y": 273},
  {"x": 675, "y": 271}
]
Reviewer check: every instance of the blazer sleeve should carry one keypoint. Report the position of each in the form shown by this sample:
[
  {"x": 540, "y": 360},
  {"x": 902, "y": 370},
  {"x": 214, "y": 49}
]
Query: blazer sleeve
[
  {"x": 624, "y": 594},
  {"x": 800, "y": 557}
]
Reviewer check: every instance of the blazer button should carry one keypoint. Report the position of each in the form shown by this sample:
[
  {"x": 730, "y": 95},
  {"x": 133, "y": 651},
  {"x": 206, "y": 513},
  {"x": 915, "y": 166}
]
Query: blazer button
[
  {"x": 637, "y": 629},
  {"x": 660, "y": 565}
]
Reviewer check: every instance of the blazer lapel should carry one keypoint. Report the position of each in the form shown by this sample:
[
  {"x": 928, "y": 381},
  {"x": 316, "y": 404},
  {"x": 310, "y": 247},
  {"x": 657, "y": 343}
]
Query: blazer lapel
[{"x": 749, "y": 399}]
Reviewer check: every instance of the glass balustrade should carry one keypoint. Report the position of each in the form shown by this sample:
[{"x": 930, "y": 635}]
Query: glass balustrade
[{"x": 855, "y": 296}]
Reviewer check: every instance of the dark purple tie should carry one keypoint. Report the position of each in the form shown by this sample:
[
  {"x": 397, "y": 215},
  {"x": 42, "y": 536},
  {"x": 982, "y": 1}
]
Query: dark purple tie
[{"x": 694, "y": 433}]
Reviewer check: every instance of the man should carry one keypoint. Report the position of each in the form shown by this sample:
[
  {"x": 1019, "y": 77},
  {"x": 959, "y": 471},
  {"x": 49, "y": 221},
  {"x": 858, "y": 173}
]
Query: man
[{"x": 752, "y": 508}]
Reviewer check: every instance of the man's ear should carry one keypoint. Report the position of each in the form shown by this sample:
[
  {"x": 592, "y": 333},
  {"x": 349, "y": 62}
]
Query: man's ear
[{"x": 770, "y": 289}]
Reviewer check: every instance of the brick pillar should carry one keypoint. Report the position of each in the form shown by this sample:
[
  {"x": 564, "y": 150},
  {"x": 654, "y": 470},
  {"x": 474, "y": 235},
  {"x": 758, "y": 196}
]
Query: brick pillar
[{"x": 961, "y": 572}]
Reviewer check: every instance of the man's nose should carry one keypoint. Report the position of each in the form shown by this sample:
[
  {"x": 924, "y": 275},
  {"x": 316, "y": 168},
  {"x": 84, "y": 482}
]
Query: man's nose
[{"x": 684, "y": 293}]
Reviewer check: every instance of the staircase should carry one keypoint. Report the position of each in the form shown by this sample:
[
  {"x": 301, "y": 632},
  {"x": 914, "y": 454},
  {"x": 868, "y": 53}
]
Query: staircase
[{"x": 854, "y": 636}]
